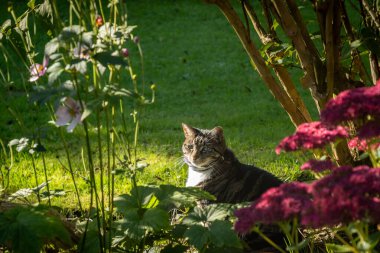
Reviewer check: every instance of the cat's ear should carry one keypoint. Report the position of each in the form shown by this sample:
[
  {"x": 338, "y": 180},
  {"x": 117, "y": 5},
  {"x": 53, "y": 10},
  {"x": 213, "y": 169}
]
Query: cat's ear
[
  {"x": 188, "y": 130},
  {"x": 218, "y": 131}
]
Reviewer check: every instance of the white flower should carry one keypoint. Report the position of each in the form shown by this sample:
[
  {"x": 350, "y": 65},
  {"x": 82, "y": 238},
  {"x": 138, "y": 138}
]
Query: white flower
[{"x": 69, "y": 112}]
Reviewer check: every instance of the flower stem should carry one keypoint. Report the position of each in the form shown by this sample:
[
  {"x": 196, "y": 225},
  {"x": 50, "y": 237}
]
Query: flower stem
[
  {"x": 267, "y": 239},
  {"x": 36, "y": 178}
]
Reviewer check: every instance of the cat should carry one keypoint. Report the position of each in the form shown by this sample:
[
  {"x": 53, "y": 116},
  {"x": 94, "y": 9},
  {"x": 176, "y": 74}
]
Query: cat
[{"x": 215, "y": 169}]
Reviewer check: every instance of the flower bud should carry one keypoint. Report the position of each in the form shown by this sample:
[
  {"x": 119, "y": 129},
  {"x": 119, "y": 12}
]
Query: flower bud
[
  {"x": 99, "y": 21},
  {"x": 125, "y": 52}
]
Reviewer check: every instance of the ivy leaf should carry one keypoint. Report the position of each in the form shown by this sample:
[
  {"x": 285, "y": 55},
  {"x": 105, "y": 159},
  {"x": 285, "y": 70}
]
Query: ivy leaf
[{"x": 198, "y": 236}]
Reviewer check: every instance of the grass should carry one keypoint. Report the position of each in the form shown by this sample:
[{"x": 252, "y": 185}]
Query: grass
[{"x": 203, "y": 78}]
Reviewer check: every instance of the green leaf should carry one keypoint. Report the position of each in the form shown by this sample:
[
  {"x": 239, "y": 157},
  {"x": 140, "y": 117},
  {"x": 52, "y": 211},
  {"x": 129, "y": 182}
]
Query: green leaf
[
  {"x": 70, "y": 32},
  {"x": 22, "y": 193},
  {"x": 79, "y": 65},
  {"x": 45, "y": 10},
  {"x": 85, "y": 114},
  {"x": 356, "y": 43},
  {"x": 87, "y": 39},
  {"x": 131, "y": 225},
  {"x": 198, "y": 236},
  {"x": 139, "y": 197},
  {"x": 28, "y": 229},
  {"x": 23, "y": 22},
  {"x": 106, "y": 58},
  {"x": 31, "y": 4},
  {"x": 209, "y": 213},
  {"x": 222, "y": 234},
  {"x": 91, "y": 244},
  {"x": 304, "y": 243},
  {"x": 156, "y": 219},
  {"x": 181, "y": 196},
  {"x": 51, "y": 47},
  {"x": 338, "y": 248}
]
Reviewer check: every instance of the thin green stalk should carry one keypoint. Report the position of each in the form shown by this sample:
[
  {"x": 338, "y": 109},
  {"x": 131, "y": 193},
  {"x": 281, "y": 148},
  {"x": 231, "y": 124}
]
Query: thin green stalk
[
  {"x": 65, "y": 147},
  {"x": 288, "y": 235},
  {"x": 101, "y": 172},
  {"x": 267, "y": 239},
  {"x": 93, "y": 183},
  {"x": 90, "y": 164},
  {"x": 109, "y": 175},
  {"x": 46, "y": 178},
  {"x": 100, "y": 151},
  {"x": 36, "y": 178},
  {"x": 71, "y": 169},
  {"x": 346, "y": 243}
]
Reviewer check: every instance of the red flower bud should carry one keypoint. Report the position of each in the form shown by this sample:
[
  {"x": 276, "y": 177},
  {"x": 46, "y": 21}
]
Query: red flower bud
[{"x": 99, "y": 21}]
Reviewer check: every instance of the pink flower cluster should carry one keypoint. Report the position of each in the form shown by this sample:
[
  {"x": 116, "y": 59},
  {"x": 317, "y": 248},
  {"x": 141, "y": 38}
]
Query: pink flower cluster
[
  {"x": 311, "y": 135},
  {"x": 275, "y": 205},
  {"x": 347, "y": 195},
  {"x": 353, "y": 104},
  {"x": 318, "y": 165}
]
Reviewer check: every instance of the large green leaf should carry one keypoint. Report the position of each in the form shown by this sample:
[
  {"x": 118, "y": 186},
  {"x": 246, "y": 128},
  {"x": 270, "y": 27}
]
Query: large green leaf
[
  {"x": 222, "y": 234},
  {"x": 29, "y": 229},
  {"x": 206, "y": 214},
  {"x": 198, "y": 236},
  {"x": 170, "y": 195},
  {"x": 138, "y": 222},
  {"x": 140, "y": 196}
]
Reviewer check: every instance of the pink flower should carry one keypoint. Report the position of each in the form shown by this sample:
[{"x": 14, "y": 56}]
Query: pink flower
[
  {"x": 347, "y": 195},
  {"x": 352, "y": 104},
  {"x": 360, "y": 144},
  {"x": 311, "y": 135},
  {"x": 318, "y": 165},
  {"x": 69, "y": 112},
  {"x": 37, "y": 70},
  {"x": 277, "y": 204}
]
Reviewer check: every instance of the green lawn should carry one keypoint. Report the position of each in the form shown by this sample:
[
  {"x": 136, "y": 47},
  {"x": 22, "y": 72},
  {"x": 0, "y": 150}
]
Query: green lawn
[{"x": 203, "y": 78}]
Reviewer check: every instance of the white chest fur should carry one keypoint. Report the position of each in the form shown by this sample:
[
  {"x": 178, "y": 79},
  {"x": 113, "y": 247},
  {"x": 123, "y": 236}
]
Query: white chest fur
[{"x": 194, "y": 177}]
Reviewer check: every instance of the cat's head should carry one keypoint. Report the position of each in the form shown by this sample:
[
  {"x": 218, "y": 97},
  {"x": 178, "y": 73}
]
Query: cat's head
[{"x": 203, "y": 148}]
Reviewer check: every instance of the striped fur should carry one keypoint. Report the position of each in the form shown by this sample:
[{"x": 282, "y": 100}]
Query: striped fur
[{"x": 214, "y": 168}]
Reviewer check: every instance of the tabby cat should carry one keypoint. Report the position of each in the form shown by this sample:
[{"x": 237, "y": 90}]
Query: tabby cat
[{"x": 215, "y": 169}]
